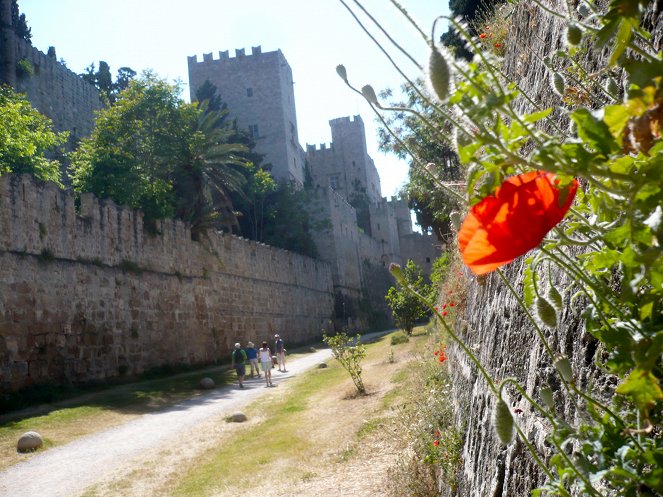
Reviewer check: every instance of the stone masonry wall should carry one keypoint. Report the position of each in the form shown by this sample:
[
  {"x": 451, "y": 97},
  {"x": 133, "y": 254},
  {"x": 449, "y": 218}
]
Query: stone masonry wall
[
  {"x": 52, "y": 89},
  {"x": 495, "y": 327},
  {"x": 90, "y": 295}
]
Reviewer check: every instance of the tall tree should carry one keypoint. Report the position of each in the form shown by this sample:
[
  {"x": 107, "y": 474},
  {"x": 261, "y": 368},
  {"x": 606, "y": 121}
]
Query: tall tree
[
  {"x": 20, "y": 24},
  {"x": 153, "y": 151},
  {"x": 419, "y": 133},
  {"x": 102, "y": 79},
  {"x": 27, "y": 138}
]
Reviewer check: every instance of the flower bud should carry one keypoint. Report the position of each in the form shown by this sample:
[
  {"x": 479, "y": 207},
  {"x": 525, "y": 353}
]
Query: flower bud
[
  {"x": 612, "y": 87},
  {"x": 503, "y": 422},
  {"x": 563, "y": 367},
  {"x": 369, "y": 94},
  {"x": 454, "y": 217},
  {"x": 558, "y": 84},
  {"x": 438, "y": 73},
  {"x": 340, "y": 70},
  {"x": 573, "y": 35},
  {"x": 397, "y": 272},
  {"x": 546, "y": 312},
  {"x": 555, "y": 297},
  {"x": 547, "y": 397}
]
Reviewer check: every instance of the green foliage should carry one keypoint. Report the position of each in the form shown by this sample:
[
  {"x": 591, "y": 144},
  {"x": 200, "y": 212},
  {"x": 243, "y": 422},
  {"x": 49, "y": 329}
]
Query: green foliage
[
  {"x": 399, "y": 338},
  {"x": 103, "y": 80},
  {"x": 408, "y": 133},
  {"x": 26, "y": 138},
  {"x": 154, "y": 152},
  {"x": 406, "y": 307},
  {"x": 349, "y": 352},
  {"x": 24, "y": 69},
  {"x": 19, "y": 23}
]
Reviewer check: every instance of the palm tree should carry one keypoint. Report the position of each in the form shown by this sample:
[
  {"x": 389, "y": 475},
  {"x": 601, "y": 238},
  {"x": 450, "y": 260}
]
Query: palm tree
[{"x": 214, "y": 167}]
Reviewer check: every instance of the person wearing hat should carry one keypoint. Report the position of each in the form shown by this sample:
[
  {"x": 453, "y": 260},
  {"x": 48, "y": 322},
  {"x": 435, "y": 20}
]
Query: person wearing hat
[
  {"x": 252, "y": 356},
  {"x": 239, "y": 363},
  {"x": 279, "y": 348}
]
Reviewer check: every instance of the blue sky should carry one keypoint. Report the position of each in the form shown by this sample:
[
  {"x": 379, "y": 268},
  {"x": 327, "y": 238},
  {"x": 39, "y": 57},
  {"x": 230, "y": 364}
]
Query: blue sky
[{"x": 314, "y": 36}]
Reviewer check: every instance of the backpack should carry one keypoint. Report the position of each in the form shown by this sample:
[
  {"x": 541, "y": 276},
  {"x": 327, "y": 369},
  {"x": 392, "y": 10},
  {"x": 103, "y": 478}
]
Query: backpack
[{"x": 239, "y": 357}]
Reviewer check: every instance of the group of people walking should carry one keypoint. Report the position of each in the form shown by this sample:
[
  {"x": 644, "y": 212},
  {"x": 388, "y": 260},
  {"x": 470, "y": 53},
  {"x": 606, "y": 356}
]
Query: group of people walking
[{"x": 263, "y": 356}]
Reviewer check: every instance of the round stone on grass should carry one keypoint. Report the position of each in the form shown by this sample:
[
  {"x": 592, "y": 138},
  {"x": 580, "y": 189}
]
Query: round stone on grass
[
  {"x": 238, "y": 417},
  {"x": 206, "y": 383},
  {"x": 322, "y": 365},
  {"x": 29, "y": 441}
]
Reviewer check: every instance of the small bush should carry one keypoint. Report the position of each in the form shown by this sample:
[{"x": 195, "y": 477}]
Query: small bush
[
  {"x": 24, "y": 69},
  {"x": 399, "y": 338}
]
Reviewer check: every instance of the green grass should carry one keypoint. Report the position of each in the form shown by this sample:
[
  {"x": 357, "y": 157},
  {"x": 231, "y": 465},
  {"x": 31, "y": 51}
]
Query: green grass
[{"x": 278, "y": 438}]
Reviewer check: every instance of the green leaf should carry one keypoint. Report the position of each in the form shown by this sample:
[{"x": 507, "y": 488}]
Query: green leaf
[
  {"x": 624, "y": 35},
  {"x": 642, "y": 387},
  {"x": 594, "y": 132},
  {"x": 616, "y": 117},
  {"x": 537, "y": 116}
]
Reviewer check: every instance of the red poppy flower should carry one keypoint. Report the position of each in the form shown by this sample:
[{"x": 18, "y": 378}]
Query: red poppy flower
[
  {"x": 444, "y": 306},
  {"x": 444, "y": 313},
  {"x": 436, "y": 443},
  {"x": 453, "y": 304},
  {"x": 437, "y": 433},
  {"x": 513, "y": 220},
  {"x": 482, "y": 35},
  {"x": 498, "y": 45}
]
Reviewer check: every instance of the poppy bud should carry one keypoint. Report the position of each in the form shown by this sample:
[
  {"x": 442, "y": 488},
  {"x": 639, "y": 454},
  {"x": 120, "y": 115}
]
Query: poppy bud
[
  {"x": 612, "y": 87},
  {"x": 584, "y": 10},
  {"x": 454, "y": 217},
  {"x": 573, "y": 35},
  {"x": 438, "y": 73},
  {"x": 547, "y": 397},
  {"x": 369, "y": 94},
  {"x": 558, "y": 84},
  {"x": 396, "y": 270},
  {"x": 563, "y": 367},
  {"x": 546, "y": 312},
  {"x": 503, "y": 422},
  {"x": 340, "y": 70},
  {"x": 555, "y": 297}
]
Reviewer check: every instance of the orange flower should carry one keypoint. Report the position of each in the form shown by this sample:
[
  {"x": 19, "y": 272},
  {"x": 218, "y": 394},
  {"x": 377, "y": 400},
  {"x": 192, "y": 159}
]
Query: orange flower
[
  {"x": 482, "y": 35},
  {"x": 498, "y": 45},
  {"x": 514, "y": 220}
]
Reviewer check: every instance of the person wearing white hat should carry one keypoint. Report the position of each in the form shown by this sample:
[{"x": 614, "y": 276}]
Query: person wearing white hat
[{"x": 239, "y": 363}]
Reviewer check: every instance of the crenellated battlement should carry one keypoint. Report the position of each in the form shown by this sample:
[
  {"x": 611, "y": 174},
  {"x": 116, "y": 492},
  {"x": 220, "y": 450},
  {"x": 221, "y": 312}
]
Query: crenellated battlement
[{"x": 223, "y": 56}]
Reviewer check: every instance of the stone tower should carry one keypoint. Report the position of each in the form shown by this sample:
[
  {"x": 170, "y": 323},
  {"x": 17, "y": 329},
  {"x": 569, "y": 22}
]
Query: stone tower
[
  {"x": 346, "y": 165},
  {"x": 258, "y": 90}
]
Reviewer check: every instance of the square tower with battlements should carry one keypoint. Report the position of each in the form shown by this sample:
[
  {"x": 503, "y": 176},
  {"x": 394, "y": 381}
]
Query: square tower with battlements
[
  {"x": 258, "y": 89},
  {"x": 345, "y": 165}
]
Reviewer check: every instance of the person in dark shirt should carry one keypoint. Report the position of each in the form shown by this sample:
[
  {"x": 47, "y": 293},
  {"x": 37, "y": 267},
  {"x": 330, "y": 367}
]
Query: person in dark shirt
[
  {"x": 279, "y": 348},
  {"x": 239, "y": 363}
]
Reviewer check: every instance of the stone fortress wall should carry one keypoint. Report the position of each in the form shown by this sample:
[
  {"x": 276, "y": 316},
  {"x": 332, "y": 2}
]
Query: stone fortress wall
[
  {"x": 52, "y": 89},
  {"x": 89, "y": 294}
]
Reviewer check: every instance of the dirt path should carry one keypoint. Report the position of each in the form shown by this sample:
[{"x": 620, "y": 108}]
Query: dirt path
[{"x": 68, "y": 470}]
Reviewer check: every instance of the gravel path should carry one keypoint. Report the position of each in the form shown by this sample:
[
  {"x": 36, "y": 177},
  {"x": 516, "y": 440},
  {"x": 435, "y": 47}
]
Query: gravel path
[{"x": 68, "y": 470}]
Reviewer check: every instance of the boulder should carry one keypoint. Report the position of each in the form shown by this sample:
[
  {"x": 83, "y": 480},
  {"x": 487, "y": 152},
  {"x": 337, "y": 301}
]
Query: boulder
[
  {"x": 29, "y": 441},
  {"x": 207, "y": 383},
  {"x": 238, "y": 417},
  {"x": 322, "y": 365}
]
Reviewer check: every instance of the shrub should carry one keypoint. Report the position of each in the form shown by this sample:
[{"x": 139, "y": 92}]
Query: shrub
[{"x": 349, "y": 352}]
